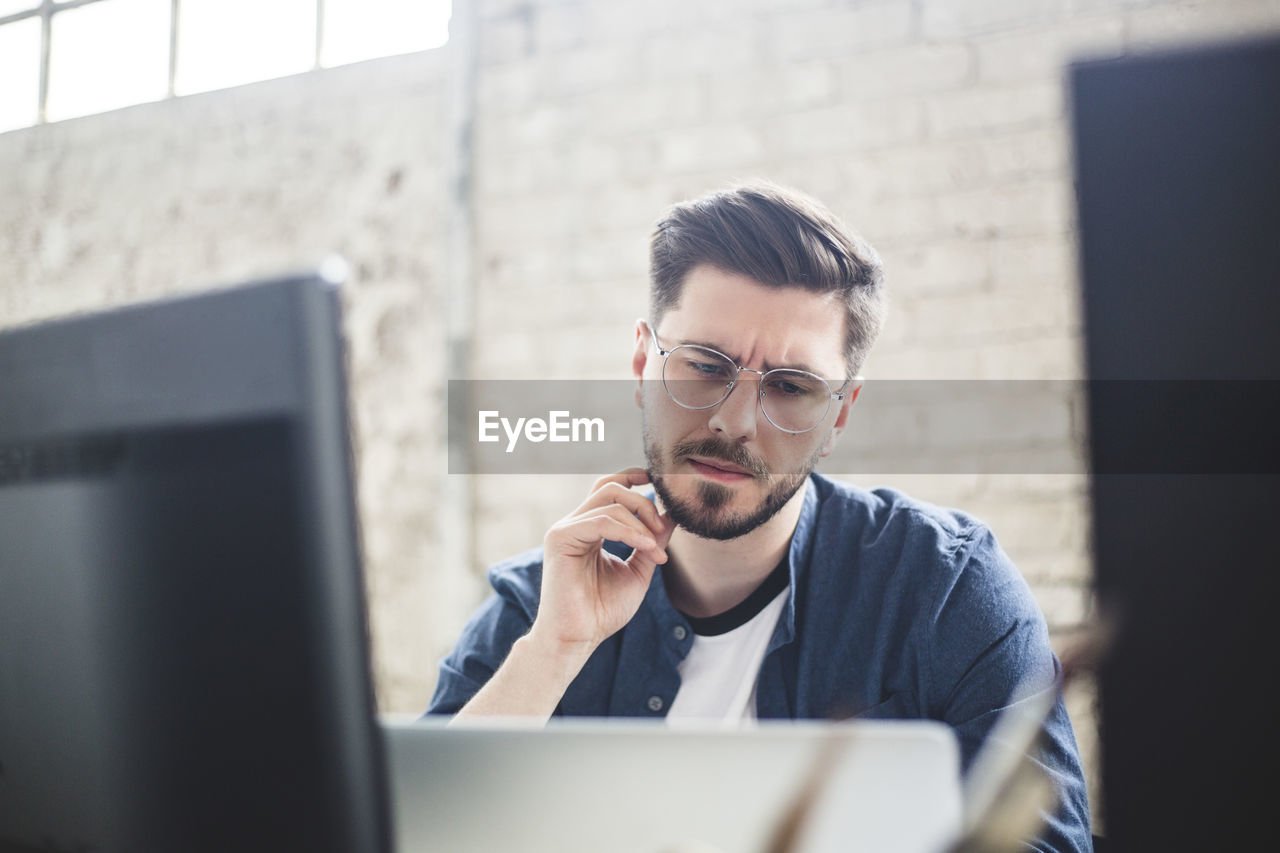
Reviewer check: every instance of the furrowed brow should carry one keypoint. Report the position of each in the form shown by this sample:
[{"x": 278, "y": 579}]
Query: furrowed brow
[{"x": 737, "y": 359}]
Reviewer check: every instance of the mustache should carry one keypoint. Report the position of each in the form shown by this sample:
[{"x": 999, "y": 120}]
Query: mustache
[{"x": 713, "y": 448}]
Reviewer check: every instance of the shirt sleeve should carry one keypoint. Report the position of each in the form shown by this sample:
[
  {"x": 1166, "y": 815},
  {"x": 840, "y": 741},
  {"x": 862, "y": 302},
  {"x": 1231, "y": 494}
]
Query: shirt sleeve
[
  {"x": 989, "y": 646},
  {"x": 504, "y": 617}
]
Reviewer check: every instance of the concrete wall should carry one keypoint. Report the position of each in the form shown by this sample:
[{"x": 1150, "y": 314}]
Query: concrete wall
[{"x": 937, "y": 128}]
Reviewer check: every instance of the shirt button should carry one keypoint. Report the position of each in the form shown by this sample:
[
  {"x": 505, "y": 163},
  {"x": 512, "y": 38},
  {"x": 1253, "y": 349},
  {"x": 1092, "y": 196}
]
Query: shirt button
[
  {"x": 655, "y": 703},
  {"x": 679, "y": 632}
]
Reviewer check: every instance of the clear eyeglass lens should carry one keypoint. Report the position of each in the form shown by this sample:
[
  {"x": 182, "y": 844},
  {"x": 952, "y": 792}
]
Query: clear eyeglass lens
[
  {"x": 699, "y": 378},
  {"x": 793, "y": 399}
]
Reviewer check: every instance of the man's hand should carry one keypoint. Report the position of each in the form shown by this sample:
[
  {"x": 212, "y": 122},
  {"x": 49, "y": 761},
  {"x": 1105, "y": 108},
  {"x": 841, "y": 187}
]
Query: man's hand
[{"x": 587, "y": 595}]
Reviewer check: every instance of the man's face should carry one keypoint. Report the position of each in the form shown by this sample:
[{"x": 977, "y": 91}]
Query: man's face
[{"x": 724, "y": 471}]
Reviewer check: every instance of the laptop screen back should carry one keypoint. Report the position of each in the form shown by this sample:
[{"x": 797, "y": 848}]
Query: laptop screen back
[{"x": 583, "y": 786}]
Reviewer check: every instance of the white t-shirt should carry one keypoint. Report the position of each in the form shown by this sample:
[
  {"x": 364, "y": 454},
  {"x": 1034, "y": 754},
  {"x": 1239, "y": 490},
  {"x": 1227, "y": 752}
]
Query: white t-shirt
[{"x": 718, "y": 676}]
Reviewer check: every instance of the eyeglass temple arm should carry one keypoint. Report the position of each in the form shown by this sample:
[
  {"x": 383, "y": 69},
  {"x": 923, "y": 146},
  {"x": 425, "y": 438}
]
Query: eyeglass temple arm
[{"x": 844, "y": 389}]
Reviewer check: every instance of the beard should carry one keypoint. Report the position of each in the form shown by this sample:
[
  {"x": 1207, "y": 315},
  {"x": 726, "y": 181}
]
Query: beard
[{"x": 705, "y": 514}]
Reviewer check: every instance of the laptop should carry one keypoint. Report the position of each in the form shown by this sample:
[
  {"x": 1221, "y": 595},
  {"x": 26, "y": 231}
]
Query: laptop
[{"x": 586, "y": 786}]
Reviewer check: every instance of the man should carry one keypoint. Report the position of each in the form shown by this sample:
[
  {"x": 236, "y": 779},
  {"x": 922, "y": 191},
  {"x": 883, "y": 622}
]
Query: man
[{"x": 749, "y": 586}]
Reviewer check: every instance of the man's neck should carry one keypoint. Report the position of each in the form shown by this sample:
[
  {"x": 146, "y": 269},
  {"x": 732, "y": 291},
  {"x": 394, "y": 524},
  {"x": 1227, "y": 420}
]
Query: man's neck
[{"x": 706, "y": 577}]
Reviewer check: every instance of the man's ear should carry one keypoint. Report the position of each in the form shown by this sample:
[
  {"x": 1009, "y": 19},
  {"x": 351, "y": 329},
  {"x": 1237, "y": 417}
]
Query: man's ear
[
  {"x": 842, "y": 415},
  {"x": 640, "y": 357}
]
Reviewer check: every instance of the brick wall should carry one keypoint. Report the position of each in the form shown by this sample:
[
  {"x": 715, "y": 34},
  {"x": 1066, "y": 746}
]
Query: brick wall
[{"x": 937, "y": 128}]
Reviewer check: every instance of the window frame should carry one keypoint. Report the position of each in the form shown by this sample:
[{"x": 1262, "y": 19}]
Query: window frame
[{"x": 46, "y": 9}]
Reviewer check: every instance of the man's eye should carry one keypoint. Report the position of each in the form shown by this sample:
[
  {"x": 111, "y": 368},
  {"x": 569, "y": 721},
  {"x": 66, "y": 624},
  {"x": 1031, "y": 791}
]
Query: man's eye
[
  {"x": 789, "y": 389},
  {"x": 706, "y": 368}
]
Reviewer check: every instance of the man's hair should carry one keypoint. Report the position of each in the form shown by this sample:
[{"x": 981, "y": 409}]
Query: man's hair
[{"x": 780, "y": 238}]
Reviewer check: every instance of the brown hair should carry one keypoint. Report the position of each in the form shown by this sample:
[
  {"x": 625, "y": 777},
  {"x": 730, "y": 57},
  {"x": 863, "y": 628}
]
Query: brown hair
[{"x": 780, "y": 238}]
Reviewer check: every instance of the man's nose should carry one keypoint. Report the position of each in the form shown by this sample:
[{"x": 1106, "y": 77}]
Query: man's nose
[{"x": 735, "y": 417}]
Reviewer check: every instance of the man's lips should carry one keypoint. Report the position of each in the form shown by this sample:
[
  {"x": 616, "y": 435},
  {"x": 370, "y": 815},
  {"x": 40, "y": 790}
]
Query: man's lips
[{"x": 718, "y": 469}]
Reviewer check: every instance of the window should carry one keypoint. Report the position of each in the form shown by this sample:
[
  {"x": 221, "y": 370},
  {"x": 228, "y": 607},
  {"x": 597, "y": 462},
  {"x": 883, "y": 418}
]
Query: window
[
  {"x": 107, "y": 55},
  {"x": 268, "y": 40},
  {"x": 66, "y": 58},
  {"x": 362, "y": 29},
  {"x": 20, "y": 71}
]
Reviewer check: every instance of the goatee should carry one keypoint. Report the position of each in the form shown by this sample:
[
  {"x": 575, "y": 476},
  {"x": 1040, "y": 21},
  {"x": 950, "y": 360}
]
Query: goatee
[{"x": 705, "y": 515}]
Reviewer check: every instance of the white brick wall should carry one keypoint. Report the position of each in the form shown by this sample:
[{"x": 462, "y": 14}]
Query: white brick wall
[
  {"x": 937, "y": 128},
  {"x": 992, "y": 108},
  {"x": 835, "y": 31},
  {"x": 913, "y": 69}
]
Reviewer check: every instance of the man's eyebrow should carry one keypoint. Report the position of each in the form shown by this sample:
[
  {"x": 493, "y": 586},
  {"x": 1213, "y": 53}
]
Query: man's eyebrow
[{"x": 737, "y": 359}]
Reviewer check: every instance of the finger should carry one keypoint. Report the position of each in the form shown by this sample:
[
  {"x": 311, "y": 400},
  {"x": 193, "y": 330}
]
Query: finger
[
  {"x": 627, "y": 477},
  {"x": 637, "y": 504},
  {"x": 645, "y": 560},
  {"x": 643, "y": 563},
  {"x": 615, "y": 511},
  {"x": 589, "y": 532},
  {"x": 624, "y": 515}
]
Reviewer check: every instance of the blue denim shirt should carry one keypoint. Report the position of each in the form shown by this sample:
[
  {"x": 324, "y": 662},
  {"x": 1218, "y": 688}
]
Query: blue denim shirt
[{"x": 898, "y": 610}]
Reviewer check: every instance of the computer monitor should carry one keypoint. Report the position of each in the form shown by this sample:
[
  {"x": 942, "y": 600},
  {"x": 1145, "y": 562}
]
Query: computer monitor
[
  {"x": 1177, "y": 157},
  {"x": 184, "y": 661}
]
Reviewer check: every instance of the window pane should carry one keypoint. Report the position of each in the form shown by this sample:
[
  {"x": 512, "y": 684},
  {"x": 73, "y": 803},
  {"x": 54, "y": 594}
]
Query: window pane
[
  {"x": 363, "y": 29},
  {"x": 20, "y": 71},
  {"x": 108, "y": 55},
  {"x": 225, "y": 43},
  {"x": 9, "y": 7}
]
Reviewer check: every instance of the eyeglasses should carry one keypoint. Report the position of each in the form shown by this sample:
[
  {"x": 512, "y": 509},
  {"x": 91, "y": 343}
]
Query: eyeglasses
[{"x": 698, "y": 377}]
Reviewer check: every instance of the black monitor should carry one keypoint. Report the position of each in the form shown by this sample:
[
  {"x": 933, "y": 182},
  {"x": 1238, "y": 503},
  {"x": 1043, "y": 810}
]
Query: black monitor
[
  {"x": 184, "y": 657},
  {"x": 1177, "y": 157}
]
